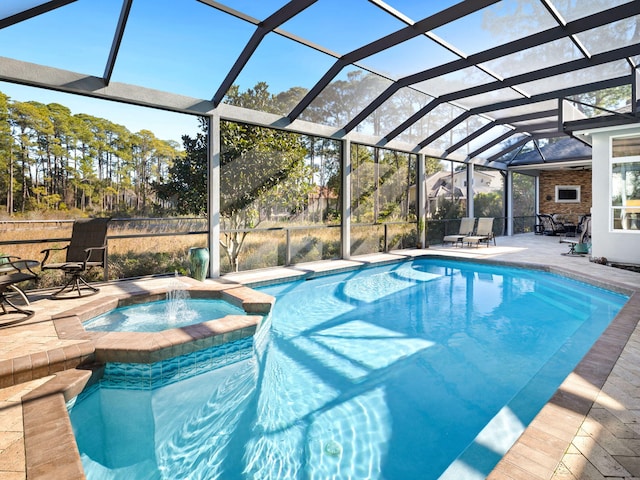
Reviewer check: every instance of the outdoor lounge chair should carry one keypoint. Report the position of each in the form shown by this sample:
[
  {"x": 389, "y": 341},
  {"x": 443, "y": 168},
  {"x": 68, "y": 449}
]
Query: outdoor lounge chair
[
  {"x": 466, "y": 228},
  {"x": 483, "y": 233},
  {"x": 14, "y": 270},
  {"x": 86, "y": 250},
  {"x": 579, "y": 245}
]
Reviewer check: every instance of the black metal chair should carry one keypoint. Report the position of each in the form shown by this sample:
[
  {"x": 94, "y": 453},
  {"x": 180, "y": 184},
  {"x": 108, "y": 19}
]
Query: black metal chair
[
  {"x": 86, "y": 250},
  {"x": 14, "y": 270},
  {"x": 549, "y": 225}
]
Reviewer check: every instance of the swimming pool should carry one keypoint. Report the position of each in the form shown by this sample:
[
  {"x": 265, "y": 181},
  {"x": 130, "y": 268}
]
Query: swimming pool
[{"x": 418, "y": 370}]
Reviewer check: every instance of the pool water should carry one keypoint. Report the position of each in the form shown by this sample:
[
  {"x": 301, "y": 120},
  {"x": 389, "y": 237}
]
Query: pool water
[
  {"x": 162, "y": 315},
  {"x": 419, "y": 370}
]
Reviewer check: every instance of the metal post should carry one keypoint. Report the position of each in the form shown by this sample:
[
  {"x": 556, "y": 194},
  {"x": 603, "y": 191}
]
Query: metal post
[
  {"x": 421, "y": 200},
  {"x": 509, "y": 200},
  {"x": 386, "y": 238},
  {"x": 470, "y": 204},
  {"x": 287, "y": 260},
  {"x": 213, "y": 193},
  {"x": 346, "y": 198}
]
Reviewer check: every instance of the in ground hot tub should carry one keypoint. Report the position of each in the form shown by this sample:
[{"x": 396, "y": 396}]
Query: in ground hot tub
[
  {"x": 159, "y": 315},
  {"x": 222, "y": 313}
]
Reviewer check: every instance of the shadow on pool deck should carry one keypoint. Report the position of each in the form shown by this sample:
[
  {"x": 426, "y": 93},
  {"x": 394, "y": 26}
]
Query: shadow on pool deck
[{"x": 587, "y": 430}]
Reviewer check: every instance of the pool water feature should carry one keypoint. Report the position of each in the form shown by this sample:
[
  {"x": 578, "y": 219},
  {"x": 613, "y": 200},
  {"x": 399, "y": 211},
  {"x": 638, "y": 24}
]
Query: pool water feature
[
  {"x": 162, "y": 315},
  {"x": 419, "y": 370}
]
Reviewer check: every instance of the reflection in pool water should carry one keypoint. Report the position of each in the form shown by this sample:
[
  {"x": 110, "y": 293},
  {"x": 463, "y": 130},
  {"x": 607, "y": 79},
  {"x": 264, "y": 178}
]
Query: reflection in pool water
[{"x": 419, "y": 370}]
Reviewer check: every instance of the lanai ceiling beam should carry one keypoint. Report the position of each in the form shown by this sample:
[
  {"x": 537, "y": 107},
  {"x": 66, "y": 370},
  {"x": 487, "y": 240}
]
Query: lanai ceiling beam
[
  {"x": 535, "y": 143},
  {"x": 583, "y": 24},
  {"x": 511, "y": 160},
  {"x": 419, "y": 28},
  {"x": 567, "y": 67},
  {"x": 493, "y": 143},
  {"x": 558, "y": 18},
  {"x": 553, "y": 95},
  {"x": 509, "y": 148},
  {"x": 287, "y": 12},
  {"x": 441, "y": 131},
  {"x": 518, "y": 102},
  {"x": 502, "y": 121},
  {"x": 527, "y": 130},
  {"x": 519, "y": 144},
  {"x": 540, "y": 74},
  {"x": 413, "y": 119},
  {"x": 117, "y": 40},
  {"x": 33, "y": 12},
  {"x": 482, "y": 130}
]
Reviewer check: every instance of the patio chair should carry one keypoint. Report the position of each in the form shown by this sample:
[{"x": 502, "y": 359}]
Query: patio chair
[
  {"x": 580, "y": 245},
  {"x": 483, "y": 233},
  {"x": 466, "y": 229},
  {"x": 14, "y": 270},
  {"x": 549, "y": 224},
  {"x": 582, "y": 222},
  {"x": 86, "y": 250}
]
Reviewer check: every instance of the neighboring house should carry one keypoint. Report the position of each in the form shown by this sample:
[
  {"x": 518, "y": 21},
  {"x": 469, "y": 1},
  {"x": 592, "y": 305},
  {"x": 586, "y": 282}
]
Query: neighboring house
[
  {"x": 321, "y": 199},
  {"x": 444, "y": 185}
]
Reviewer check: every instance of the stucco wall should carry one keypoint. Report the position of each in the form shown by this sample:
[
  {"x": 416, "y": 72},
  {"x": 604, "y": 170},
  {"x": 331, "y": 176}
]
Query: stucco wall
[
  {"x": 571, "y": 211},
  {"x": 620, "y": 245}
]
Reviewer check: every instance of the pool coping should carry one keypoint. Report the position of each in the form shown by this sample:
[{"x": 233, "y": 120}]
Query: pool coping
[
  {"x": 535, "y": 455},
  {"x": 541, "y": 447}
]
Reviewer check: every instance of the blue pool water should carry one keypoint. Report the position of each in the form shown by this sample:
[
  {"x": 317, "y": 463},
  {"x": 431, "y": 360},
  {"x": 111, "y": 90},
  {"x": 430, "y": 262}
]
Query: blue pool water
[
  {"x": 419, "y": 370},
  {"x": 161, "y": 315}
]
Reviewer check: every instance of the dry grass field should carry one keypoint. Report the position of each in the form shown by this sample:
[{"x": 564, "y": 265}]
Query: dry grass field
[
  {"x": 141, "y": 247},
  {"x": 164, "y": 251}
]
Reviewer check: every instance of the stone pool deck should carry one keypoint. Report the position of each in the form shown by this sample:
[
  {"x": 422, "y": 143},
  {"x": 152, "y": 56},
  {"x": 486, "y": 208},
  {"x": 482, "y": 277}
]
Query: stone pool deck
[{"x": 589, "y": 430}]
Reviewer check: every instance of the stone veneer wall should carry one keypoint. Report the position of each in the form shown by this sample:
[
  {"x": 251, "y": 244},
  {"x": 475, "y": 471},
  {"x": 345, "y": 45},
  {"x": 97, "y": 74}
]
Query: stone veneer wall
[{"x": 570, "y": 211}]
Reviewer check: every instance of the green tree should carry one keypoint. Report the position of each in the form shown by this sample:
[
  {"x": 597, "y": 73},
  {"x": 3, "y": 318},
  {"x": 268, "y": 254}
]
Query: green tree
[
  {"x": 29, "y": 122},
  {"x": 448, "y": 208},
  {"x": 6, "y": 153},
  {"x": 524, "y": 194},
  {"x": 52, "y": 159},
  {"x": 262, "y": 171},
  {"x": 488, "y": 204},
  {"x": 185, "y": 186}
]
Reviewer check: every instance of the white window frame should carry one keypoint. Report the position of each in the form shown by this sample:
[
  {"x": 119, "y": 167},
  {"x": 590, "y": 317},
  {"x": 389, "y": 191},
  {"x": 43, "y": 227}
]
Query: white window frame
[{"x": 618, "y": 160}]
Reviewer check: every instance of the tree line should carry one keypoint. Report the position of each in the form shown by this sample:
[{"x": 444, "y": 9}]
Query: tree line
[{"x": 51, "y": 159}]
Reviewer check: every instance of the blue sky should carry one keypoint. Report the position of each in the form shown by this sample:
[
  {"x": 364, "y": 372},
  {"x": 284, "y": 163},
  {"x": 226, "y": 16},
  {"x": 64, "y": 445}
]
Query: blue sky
[{"x": 187, "y": 47}]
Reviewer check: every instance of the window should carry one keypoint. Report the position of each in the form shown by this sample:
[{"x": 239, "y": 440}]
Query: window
[
  {"x": 625, "y": 184},
  {"x": 625, "y": 147},
  {"x": 567, "y": 193}
]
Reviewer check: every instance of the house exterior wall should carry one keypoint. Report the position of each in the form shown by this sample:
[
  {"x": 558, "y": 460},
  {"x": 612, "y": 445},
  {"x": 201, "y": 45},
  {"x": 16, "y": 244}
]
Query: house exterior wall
[
  {"x": 571, "y": 212},
  {"x": 618, "y": 246}
]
